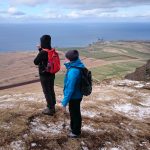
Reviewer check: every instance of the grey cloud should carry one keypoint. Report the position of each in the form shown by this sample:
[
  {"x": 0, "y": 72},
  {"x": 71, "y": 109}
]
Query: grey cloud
[
  {"x": 16, "y": 13},
  {"x": 31, "y": 3},
  {"x": 83, "y": 4},
  {"x": 90, "y": 4}
]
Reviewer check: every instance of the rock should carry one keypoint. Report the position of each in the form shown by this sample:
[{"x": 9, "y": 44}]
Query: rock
[{"x": 141, "y": 74}]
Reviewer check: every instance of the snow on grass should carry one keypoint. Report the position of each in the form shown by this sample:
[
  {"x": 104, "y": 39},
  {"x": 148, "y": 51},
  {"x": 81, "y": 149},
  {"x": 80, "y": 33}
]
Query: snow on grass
[
  {"x": 25, "y": 96},
  {"x": 112, "y": 96},
  {"x": 6, "y": 125},
  {"x": 144, "y": 99},
  {"x": 12, "y": 101},
  {"x": 17, "y": 145},
  {"x": 91, "y": 129},
  {"x": 33, "y": 144},
  {"x": 38, "y": 127},
  {"x": 4, "y": 97},
  {"x": 28, "y": 98},
  {"x": 125, "y": 82},
  {"x": 146, "y": 102},
  {"x": 83, "y": 145},
  {"x": 114, "y": 148},
  {"x": 7, "y": 106},
  {"x": 89, "y": 114},
  {"x": 32, "y": 97},
  {"x": 130, "y": 83},
  {"x": 103, "y": 97},
  {"x": 133, "y": 111},
  {"x": 139, "y": 86}
]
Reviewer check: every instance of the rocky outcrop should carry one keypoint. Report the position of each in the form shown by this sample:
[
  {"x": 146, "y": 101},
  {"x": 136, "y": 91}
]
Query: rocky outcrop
[{"x": 141, "y": 74}]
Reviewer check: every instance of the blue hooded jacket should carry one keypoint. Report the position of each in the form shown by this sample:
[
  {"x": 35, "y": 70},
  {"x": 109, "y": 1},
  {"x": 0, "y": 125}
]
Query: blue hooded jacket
[{"x": 72, "y": 82}]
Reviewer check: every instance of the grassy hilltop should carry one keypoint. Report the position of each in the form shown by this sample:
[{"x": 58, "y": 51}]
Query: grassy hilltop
[
  {"x": 117, "y": 58},
  {"x": 115, "y": 115},
  {"x": 104, "y": 59}
]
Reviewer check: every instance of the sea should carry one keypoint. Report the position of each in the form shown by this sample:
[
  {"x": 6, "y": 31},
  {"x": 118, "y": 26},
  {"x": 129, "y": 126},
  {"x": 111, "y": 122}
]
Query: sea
[{"x": 25, "y": 37}]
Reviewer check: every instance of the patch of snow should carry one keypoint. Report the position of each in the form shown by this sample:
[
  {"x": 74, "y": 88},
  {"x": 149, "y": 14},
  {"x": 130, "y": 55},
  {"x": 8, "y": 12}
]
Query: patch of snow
[
  {"x": 91, "y": 129},
  {"x": 124, "y": 107},
  {"x": 25, "y": 136},
  {"x": 103, "y": 97},
  {"x": 17, "y": 95},
  {"x": 7, "y": 105},
  {"x": 133, "y": 111},
  {"x": 17, "y": 145},
  {"x": 85, "y": 148},
  {"x": 83, "y": 145},
  {"x": 123, "y": 89},
  {"x": 10, "y": 99},
  {"x": 22, "y": 97},
  {"x": 139, "y": 86},
  {"x": 144, "y": 98},
  {"x": 28, "y": 93},
  {"x": 145, "y": 102},
  {"x": 114, "y": 148},
  {"x": 38, "y": 127},
  {"x": 33, "y": 144},
  {"x": 29, "y": 98},
  {"x": 130, "y": 83},
  {"x": 89, "y": 102},
  {"x": 5, "y": 96},
  {"x": 6, "y": 125},
  {"x": 89, "y": 114},
  {"x": 125, "y": 82}
]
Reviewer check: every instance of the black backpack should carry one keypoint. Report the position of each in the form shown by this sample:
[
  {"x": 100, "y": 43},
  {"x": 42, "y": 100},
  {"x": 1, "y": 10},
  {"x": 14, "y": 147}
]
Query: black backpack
[{"x": 86, "y": 81}]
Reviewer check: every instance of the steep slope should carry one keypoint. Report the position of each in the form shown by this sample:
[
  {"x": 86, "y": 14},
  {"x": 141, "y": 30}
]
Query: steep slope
[{"x": 141, "y": 74}]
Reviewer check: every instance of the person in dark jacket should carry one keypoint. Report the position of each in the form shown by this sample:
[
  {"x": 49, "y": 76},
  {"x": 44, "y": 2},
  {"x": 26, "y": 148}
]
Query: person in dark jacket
[
  {"x": 46, "y": 78},
  {"x": 72, "y": 92}
]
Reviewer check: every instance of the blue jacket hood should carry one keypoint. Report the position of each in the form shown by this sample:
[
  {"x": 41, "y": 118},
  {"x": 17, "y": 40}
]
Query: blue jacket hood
[{"x": 76, "y": 63}]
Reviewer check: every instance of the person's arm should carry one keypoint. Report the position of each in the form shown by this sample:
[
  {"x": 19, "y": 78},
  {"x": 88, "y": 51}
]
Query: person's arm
[
  {"x": 38, "y": 58},
  {"x": 72, "y": 78}
]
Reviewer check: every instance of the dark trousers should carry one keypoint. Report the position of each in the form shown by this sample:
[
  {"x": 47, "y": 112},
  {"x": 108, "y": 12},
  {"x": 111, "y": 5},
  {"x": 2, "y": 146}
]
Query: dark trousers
[
  {"x": 47, "y": 83},
  {"x": 75, "y": 116}
]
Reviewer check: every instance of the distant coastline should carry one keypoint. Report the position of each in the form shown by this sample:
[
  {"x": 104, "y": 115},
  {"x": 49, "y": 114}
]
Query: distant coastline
[
  {"x": 78, "y": 47},
  {"x": 25, "y": 37}
]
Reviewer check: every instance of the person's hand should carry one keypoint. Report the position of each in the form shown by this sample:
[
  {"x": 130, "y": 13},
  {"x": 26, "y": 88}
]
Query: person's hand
[{"x": 38, "y": 46}]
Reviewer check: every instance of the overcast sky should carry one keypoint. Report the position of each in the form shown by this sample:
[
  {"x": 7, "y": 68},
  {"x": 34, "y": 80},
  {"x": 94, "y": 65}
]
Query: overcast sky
[{"x": 26, "y": 11}]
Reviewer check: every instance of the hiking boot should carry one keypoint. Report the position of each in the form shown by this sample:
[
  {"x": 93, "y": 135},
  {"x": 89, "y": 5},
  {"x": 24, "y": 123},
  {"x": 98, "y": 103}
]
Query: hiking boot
[
  {"x": 52, "y": 110},
  {"x": 72, "y": 135},
  {"x": 48, "y": 111}
]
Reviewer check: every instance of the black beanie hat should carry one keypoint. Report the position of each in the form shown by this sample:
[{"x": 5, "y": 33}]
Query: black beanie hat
[
  {"x": 46, "y": 41},
  {"x": 72, "y": 55}
]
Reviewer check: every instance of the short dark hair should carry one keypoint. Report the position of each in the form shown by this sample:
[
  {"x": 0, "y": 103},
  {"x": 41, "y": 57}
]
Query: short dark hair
[
  {"x": 46, "y": 41},
  {"x": 72, "y": 55}
]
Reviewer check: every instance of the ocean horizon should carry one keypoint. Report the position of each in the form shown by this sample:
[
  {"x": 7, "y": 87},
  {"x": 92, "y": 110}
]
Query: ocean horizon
[{"x": 25, "y": 37}]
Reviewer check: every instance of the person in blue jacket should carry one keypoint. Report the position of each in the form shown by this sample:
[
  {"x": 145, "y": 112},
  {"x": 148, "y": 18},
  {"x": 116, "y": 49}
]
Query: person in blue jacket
[{"x": 72, "y": 93}]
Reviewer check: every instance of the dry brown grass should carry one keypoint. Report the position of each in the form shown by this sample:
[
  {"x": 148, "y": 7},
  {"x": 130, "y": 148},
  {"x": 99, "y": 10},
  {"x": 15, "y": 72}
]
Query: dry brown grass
[{"x": 24, "y": 127}]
